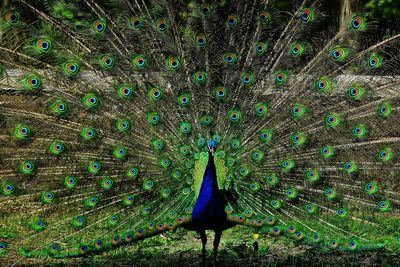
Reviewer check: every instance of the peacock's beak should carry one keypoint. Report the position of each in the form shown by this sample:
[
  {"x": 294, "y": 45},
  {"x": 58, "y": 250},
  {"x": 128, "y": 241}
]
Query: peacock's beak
[
  {"x": 211, "y": 146},
  {"x": 212, "y": 150}
]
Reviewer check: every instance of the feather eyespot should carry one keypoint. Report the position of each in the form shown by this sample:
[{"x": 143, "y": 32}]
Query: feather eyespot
[
  {"x": 99, "y": 26},
  {"x": 11, "y": 17},
  {"x": 261, "y": 47},
  {"x": 230, "y": 58},
  {"x": 264, "y": 17},
  {"x": 173, "y": 63},
  {"x": 201, "y": 40},
  {"x": 339, "y": 54},
  {"x": 307, "y": 15},
  {"x": 281, "y": 77},
  {"x": 136, "y": 22},
  {"x": 107, "y": 62},
  {"x": 162, "y": 25},
  {"x": 358, "y": 23},
  {"x": 232, "y": 20},
  {"x": 375, "y": 61},
  {"x": 43, "y": 45}
]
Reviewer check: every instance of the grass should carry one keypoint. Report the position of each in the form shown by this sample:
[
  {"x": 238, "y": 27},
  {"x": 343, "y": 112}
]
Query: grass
[{"x": 236, "y": 248}]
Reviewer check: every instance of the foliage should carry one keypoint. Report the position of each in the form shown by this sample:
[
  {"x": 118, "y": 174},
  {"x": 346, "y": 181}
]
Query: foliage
[{"x": 387, "y": 9}]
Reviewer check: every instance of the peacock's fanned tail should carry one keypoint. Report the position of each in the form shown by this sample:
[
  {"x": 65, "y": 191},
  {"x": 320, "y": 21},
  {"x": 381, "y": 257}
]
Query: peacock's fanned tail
[{"x": 106, "y": 108}]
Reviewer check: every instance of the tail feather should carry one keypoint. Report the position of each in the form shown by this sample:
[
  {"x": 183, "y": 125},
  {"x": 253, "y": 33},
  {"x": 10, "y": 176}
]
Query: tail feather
[{"x": 106, "y": 108}]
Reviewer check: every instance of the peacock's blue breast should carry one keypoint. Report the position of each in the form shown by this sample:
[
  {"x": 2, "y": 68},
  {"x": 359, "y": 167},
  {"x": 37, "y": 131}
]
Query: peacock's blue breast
[{"x": 209, "y": 210}]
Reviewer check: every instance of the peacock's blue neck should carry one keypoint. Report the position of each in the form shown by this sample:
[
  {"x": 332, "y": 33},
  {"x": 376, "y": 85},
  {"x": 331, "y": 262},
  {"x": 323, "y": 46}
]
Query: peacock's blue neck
[
  {"x": 209, "y": 187},
  {"x": 209, "y": 210}
]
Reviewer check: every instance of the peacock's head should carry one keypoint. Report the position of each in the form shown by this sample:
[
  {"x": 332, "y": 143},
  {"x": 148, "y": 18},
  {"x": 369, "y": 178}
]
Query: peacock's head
[{"x": 212, "y": 146}]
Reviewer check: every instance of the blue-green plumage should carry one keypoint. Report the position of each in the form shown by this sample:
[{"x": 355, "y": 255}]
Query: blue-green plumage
[{"x": 105, "y": 107}]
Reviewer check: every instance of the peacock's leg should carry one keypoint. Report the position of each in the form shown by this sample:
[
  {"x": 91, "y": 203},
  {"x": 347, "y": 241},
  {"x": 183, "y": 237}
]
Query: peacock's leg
[
  {"x": 203, "y": 237},
  {"x": 216, "y": 244}
]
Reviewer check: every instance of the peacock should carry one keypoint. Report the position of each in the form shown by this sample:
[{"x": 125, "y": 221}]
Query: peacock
[{"x": 121, "y": 120}]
